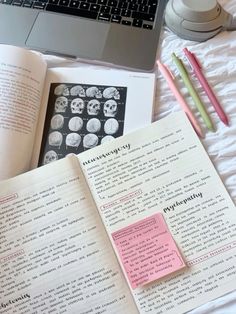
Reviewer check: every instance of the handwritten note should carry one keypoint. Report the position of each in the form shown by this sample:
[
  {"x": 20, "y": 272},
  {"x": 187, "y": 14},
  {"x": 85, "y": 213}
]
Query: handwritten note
[{"x": 147, "y": 250}]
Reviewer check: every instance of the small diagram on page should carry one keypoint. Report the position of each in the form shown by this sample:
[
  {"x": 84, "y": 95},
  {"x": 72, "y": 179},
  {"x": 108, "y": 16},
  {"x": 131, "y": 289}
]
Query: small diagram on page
[{"x": 80, "y": 117}]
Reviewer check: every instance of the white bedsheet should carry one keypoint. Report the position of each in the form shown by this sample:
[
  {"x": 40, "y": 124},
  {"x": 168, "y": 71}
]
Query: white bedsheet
[{"x": 218, "y": 58}]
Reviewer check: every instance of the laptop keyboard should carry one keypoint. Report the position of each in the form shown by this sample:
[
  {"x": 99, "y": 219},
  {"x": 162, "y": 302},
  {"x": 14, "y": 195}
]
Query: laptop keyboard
[{"x": 136, "y": 13}]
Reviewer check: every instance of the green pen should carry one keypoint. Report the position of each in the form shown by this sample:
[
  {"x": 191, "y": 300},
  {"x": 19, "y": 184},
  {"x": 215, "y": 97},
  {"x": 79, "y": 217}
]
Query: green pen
[{"x": 185, "y": 77}]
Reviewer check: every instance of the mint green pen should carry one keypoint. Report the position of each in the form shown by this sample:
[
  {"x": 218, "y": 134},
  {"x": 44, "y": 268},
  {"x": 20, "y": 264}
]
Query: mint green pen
[{"x": 185, "y": 77}]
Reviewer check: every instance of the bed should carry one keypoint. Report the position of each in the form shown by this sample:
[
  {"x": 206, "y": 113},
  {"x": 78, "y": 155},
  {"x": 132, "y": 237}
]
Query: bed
[{"x": 218, "y": 58}]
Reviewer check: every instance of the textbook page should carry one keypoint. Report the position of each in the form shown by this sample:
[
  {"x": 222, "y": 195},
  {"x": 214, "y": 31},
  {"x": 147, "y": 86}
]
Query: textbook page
[
  {"x": 84, "y": 107},
  {"x": 22, "y": 76},
  {"x": 164, "y": 169},
  {"x": 55, "y": 256}
]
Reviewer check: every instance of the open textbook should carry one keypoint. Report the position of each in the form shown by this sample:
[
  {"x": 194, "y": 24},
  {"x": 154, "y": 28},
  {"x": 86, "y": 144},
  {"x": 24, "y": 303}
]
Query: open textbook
[
  {"x": 68, "y": 228},
  {"x": 46, "y": 114}
]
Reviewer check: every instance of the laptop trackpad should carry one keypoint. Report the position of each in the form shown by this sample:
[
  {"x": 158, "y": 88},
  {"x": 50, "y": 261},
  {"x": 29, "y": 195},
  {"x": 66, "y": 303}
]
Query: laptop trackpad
[{"x": 68, "y": 35}]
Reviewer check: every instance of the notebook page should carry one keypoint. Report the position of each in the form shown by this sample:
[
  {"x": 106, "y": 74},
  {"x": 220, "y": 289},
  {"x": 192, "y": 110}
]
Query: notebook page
[
  {"x": 165, "y": 169},
  {"x": 55, "y": 256},
  {"x": 22, "y": 76}
]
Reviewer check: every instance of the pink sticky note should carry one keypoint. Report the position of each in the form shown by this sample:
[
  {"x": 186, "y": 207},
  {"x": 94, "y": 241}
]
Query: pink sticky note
[{"x": 147, "y": 250}]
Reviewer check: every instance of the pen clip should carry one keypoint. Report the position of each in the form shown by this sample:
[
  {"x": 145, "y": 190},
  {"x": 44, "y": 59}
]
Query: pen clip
[
  {"x": 183, "y": 66},
  {"x": 179, "y": 64},
  {"x": 171, "y": 74},
  {"x": 194, "y": 62},
  {"x": 196, "y": 59}
]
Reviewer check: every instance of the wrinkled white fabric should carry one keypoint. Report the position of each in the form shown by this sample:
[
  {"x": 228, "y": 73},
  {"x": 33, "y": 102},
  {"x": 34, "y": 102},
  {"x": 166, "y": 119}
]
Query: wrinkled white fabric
[{"x": 218, "y": 59}]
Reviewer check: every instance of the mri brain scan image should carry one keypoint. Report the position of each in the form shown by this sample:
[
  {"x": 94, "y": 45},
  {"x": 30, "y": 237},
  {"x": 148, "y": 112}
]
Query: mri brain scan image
[
  {"x": 107, "y": 138},
  {"x": 93, "y": 107},
  {"x": 50, "y": 156},
  {"x": 90, "y": 140},
  {"x": 61, "y": 90},
  {"x": 77, "y": 105},
  {"x": 111, "y": 92},
  {"x": 57, "y": 122},
  {"x": 55, "y": 139},
  {"x": 111, "y": 126},
  {"x": 77, "y": 90},
  {"x": 110, "y": 108},
  {"x": 73, "y": 140},
  {"x": 81, "y": 116},
  {"x": 93, "y": 125},
  {"x": 93, "y": 92},
  {"x": 75, "y": 124},
  {"x": 61, "y": 104}
]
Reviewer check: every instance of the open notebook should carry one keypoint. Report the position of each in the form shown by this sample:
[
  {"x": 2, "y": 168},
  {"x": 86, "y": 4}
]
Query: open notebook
[{"x": 60, "y": 224}]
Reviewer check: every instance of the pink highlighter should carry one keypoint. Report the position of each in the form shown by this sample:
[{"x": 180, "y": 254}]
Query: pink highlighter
[{"x": 170, "y": 80}]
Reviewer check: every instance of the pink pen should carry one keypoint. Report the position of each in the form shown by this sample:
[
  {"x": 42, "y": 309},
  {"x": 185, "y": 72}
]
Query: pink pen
[
  {"x": 197, "y": 70},
  {"x": 170, "y": 80}
]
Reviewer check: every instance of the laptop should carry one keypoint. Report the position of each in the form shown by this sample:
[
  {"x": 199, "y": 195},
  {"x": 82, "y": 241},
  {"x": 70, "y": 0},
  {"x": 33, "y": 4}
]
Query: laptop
[{"x": 120, "y": 32}]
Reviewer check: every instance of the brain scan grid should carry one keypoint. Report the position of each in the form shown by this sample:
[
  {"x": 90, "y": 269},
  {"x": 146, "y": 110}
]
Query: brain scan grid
[{"x": 80, "y": 117}]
